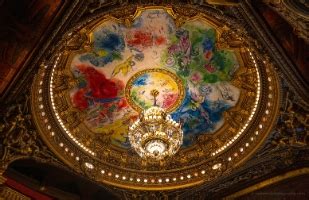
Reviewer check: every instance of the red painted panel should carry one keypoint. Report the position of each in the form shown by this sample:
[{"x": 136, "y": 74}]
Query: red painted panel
[{"x": 25, "y": 190}]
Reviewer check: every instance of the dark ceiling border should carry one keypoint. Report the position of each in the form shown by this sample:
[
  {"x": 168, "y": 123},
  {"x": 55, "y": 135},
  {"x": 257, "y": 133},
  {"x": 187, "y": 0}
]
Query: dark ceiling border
[
  {"x": 266, "y": 161},
  {"x": 285, "y": 66}
]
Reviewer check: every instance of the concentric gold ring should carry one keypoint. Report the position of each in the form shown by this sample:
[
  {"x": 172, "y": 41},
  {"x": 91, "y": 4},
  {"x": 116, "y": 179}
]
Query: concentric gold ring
[{"x": 172, "y": 76}]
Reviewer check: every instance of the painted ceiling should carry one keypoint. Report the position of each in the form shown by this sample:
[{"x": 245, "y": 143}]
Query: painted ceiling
[
  {"x": 197, "y": 93},
  {"x": 210, "y": 76}
]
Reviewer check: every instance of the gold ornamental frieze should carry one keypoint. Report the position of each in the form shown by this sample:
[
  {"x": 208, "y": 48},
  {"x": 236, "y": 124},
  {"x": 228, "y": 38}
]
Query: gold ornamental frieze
[{"x": 211, "y": 78}]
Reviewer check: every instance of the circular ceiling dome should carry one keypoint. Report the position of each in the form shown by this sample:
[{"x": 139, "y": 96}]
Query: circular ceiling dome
[{"x": 210, "y": 76}]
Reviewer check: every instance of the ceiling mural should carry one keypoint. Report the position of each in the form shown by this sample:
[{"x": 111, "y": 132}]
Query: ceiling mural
[
  {"x": 205, "y": 70},
  {"x": 154, "y": 42}
]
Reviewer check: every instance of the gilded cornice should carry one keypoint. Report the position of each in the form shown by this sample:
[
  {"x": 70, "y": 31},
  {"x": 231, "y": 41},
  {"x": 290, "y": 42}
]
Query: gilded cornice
[
  {"x": 296, "y": 16},
  {"x": 19, "y": 137},
  {"x": 284, "y": 147},
  {"x": 8, "y": 193},
  {"x": 260, "y": 88},
  {"x": 284, "y": 66}
]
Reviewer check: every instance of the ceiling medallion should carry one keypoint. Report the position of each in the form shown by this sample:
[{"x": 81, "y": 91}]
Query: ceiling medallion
[
  {"x": 169, "y": 85},
  {"x": 211, "y": 79},
  {"x": 155, "y": 135}
]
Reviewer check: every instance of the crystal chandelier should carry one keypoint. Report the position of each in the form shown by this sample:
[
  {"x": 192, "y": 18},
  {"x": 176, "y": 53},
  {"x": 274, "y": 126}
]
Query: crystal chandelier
[{"x": 155, "y": 135}]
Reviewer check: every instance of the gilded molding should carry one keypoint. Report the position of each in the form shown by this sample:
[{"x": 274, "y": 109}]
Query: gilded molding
[
  {"x": 8, "y": 193},
  {"x": 285, "y": 148},
  {"x": 268, "y": 182},
  {"x": 206, "y": 158},
  {"x": 19, "y": 137},
  {"x": 286, "y": 69},
  {"x": 283, "y": 151},
  {"x": 295, "y": 16}
]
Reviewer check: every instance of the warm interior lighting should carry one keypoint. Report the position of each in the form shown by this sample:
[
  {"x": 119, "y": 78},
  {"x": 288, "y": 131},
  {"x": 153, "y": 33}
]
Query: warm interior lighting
[{"x": 155, "y": 134}]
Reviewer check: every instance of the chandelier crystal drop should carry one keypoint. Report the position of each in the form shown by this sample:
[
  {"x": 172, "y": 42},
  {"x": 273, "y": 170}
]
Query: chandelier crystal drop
[{"x": 155, "y": 135}]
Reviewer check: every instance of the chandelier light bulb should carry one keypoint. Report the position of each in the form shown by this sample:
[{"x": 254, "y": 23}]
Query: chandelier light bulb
[{"x": 155, "y": 135}]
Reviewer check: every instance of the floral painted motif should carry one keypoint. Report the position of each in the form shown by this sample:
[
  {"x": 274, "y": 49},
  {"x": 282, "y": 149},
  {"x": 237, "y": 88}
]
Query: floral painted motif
[{"x": 153, "y": 41}]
